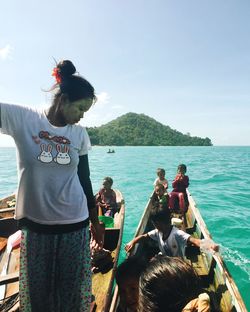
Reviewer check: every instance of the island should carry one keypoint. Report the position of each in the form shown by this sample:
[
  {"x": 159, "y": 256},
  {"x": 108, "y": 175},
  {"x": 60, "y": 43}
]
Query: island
[{"x": 134, "y": 129}]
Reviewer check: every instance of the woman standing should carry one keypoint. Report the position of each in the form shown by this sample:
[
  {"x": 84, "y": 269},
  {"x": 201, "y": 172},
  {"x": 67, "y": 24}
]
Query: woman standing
[{"x": 55, "y": 199}]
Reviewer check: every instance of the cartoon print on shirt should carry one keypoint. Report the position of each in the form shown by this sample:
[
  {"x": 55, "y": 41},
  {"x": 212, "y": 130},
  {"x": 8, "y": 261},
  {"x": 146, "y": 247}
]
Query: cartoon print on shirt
[
  {"x": 55, "y": 138},
  {"x": 62, "y": 158},
  {"x": 36, "y": 139},
  {"x": 45, "y": 156}
]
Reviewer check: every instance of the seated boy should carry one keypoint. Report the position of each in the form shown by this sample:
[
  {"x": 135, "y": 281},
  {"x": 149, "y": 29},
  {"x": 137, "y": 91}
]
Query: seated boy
[
  {"x": 160, "y": 196},
  {"x": 161, "y": 178},
  {"x": 171, "y": 241},
  {"x": 106, "y": 199},
  {"x": 127, "y": 279},
  {"x": 170, "y": 284}
]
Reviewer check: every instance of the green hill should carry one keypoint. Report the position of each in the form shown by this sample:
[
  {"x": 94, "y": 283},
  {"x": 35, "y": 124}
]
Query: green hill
[{"x": 139, "y": 129}]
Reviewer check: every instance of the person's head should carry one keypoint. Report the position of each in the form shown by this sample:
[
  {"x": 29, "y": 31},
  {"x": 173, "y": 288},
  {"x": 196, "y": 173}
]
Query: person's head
[
  {"x": 160, "y": 216},
  {"x": 160, "y": 173},
  {"x": 167, "y": 284},
  {"x": 159, "y": 189},
  {"x": 182, "y": 169},
  {"x": 107, "y": 183},
  {"x": 74, "y": 95},
  {"x": 127, "y": 279}
]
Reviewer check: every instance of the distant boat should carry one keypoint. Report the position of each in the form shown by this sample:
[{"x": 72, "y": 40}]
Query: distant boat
[{"x": 110, "y": 151}]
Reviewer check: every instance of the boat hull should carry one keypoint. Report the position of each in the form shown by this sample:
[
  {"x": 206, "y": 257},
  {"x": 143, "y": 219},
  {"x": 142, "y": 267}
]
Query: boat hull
[
  {"x": 102, "y": 283},
  {"x": 215, "y": 277}
]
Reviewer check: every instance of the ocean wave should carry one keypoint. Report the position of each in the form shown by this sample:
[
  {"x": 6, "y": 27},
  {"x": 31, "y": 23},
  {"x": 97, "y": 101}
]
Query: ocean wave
[{"x": 236, "y": 258}]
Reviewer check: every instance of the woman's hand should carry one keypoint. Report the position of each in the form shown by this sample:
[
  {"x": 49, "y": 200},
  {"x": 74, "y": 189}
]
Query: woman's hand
[{"x": 97, "y": 233}]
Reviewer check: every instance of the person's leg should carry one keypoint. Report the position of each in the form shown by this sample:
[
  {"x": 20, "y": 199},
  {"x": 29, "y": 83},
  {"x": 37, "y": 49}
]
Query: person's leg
[
  {"x": 37, "y": 271},
  {"x": 74, "y": 272},
  {"x": 174, "y": 201},
  {"x": 182, "y": 204}
]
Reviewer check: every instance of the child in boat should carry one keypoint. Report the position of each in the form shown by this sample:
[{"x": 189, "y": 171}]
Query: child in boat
[
  {"x": 106, "y": 199},
  {"x": 178, "y": 197},
  {"x": 127, "y": 279},
  {"x": 160, "y": 195},
  {"x": 161, "y": 178},
  {"x": 171, "y": 240},
  {"x": 170, "y": 284}
]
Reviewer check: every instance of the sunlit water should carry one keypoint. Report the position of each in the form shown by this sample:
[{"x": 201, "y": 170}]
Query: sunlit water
[{"x": 219, "y": 182}]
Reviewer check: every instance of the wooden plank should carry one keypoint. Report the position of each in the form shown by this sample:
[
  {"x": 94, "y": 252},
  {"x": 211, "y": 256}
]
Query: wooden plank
[{"x": 9, "y": 278}]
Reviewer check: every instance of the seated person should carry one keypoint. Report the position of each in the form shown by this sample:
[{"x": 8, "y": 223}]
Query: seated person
[
  {"x": 170, "y": 284},
  {"x": 160, "y": 195},
  {"x": 127, "y": 279},
  {"x": 171, "y": 241},
  {"x": 178, "y": 199},
  {"x": 161, "y": 178},
  {"x": 106, "y": 199}
]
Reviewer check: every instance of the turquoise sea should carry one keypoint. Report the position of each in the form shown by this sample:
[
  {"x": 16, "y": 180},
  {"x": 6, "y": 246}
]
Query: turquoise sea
[{"x": 219, "y": 182}]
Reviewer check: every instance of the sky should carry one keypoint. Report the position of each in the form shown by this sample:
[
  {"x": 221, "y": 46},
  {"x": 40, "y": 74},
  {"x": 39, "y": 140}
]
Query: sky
[{"x": 184, "y": 63}]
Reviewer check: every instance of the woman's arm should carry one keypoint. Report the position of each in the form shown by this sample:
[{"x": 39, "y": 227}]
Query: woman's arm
[{"x": 84, "y": 177}]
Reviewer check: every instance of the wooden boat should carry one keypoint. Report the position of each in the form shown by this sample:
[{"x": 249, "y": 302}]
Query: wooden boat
[
  {"x": 102, "y": 282},
  {"x": 9, "y": 286},
  {"x": 216, "y": 279}
]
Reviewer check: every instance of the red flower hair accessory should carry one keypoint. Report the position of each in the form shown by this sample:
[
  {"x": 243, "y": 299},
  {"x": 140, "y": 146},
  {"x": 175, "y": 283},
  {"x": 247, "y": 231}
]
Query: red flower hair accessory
[{"x": 57, "y": 75}]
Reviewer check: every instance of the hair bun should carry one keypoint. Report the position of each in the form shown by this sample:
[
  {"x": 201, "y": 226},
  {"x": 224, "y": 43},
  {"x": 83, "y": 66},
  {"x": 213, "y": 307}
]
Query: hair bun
[{"x": 66, "y": 68}]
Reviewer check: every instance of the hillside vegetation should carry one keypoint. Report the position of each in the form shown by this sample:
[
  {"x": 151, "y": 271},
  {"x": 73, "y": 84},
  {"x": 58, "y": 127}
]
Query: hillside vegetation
[{"x": 141, "y": 130}]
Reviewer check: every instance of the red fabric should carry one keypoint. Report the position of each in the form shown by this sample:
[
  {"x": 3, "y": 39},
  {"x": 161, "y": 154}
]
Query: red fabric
[{"x": 180, "y": 185}]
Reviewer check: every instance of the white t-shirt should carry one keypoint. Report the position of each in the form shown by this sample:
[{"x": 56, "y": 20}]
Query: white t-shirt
[
  {"x": 174, "y": 245},
  {"x": 158, "y": 181},
  {"x": 49, "y": 190}
]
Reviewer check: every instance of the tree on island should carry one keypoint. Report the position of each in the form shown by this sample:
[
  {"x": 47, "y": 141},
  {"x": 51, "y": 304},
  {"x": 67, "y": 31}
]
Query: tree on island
[{"x": 140, "y": 130}]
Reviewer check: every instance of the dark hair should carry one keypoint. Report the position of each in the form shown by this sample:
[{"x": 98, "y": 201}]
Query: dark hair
[
  {"x": 160, "y": 213},
  {"x": 160, "y": 186},
  {"x": 182, "y": 167},
  {"x": 167, "y": 284},
  {"x": 160, "y": 170},
  {"x": 130, "y": 267},
  {"x": 109, "y": 180},
  {"x": 73, "y": 86}
]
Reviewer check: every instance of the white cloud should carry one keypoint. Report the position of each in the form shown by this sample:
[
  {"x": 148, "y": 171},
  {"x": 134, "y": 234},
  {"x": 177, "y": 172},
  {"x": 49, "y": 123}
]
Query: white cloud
[
  {"x": 5, "y": 52},
  {"x": 102, "y": 99}
]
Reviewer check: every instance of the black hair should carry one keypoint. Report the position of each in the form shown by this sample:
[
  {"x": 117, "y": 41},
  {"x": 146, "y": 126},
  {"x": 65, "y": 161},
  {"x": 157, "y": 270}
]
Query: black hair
[
  {"x": 182, "y": 167},
  {"x": 109, "y": 180},
  {"x": 160, "y": 186},
  {"x": 160, "y": 213},
  {"x": 167, "y": 284},
  {"x": 130, "y": 267},
  {"x": 160, "y": 170},
  {"x": 71, "y": 85}
]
